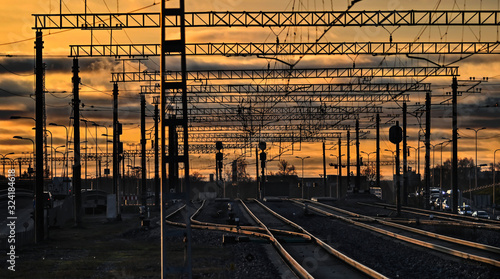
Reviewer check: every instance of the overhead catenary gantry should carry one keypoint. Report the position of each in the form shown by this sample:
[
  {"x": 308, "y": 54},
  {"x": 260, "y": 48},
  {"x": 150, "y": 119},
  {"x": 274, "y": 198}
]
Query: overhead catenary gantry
[
  {"x": 312, "y": 48},
  {"x": 311, "y": 88},
  {"x": 360, "y": 72},
  {"x": 178, "y": 118},
  {"x": 267, "y": 137},
  {"x": 105, "y": 21},
  {"x": 275, "y": 114},
  {"x": 266, "y": 98}
]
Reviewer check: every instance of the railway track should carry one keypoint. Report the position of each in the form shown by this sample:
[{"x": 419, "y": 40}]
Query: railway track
[
  {"x": 305, "y": 254},
  {"x": 311, "y": 259},
  {"x": 452, "y": 246},
  {"x": 460, "y": 219}
]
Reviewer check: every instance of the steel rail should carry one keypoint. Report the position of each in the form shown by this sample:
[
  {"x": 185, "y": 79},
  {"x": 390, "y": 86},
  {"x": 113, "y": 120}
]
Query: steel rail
[
  {"x": 286, "y": 256},
  {"x": 358, "y": 266},
  {"x": 214, "y": 226},
  {"x": 244, "y": 228},
  {"x": 432, "y": 246},
  {"x": 476, "y": 245},
  {"x": 492, "y": 224}
]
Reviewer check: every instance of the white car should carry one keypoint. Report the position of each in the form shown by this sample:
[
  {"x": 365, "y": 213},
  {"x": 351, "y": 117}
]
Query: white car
[{"x": 481, "y": 214}]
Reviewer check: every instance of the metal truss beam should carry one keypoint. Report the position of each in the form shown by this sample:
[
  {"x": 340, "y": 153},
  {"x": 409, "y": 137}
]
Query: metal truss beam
[
  {"x": 330, "y": 48},
  {"x": 289, "y": 73},
  {"x": 331, "y": 18},
  {"x": 268, "y": 19},
  {"x": 271, "y": 127},
  {"x": 234, "y": 99},
  {"x": 283, "y": 112},
  {"x": 268, "y": 137},
  {"x": 103, "y": 21},
  {"x": 302, "y": 88},
  {"x": 224, "y": 119}
]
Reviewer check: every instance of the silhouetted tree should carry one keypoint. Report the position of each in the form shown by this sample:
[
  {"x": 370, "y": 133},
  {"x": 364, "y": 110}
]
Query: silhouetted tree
[{"x": 284, "y": 168}]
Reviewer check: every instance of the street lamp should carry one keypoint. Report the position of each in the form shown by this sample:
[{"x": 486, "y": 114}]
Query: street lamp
[
  {"x": 55, "y": 158},
  {"x": 51, "y": 156},
  {"x": 339, "y": 160},
  {"x": 22, "y": 138},
  {"x": 368, "y": 154},
  {"x": 393, "y": 158},
  {"x": 417, "y": 162},
  {"x": 67, "y": 147},
  {"x": 302, "y": 158},
  {"x": 96, "y": 159},
  {"x": 475, "y": 168},
  {"x": 3, "y": 159},
  {"x": 86, "y": 154}
]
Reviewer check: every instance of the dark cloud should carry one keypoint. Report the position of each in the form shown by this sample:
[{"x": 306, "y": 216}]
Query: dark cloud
[{"x": 26, "y": 66}]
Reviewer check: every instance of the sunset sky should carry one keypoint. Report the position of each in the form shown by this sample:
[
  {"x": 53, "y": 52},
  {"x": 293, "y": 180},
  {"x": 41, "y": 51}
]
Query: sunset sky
[{"x": 476, "y": 110}]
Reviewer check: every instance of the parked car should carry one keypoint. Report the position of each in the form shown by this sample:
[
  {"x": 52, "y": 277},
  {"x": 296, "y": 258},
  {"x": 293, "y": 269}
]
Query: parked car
[
  {"x": 481, "y": 214},
  {"x": 465, "y": 210}
]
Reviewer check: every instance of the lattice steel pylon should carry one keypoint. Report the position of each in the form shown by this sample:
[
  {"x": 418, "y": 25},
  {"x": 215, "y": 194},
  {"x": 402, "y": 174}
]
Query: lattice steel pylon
[{"x": 174, "y": 123}]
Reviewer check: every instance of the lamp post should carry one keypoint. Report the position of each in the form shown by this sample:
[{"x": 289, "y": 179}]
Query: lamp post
[
  {"x": 86, "y": 155},
  {"x": 339, "y": 164},
  {"x": 475, "y": 163},
  {"x": 417, "y": 162},
  {"x": 107, "y": 140},
  {"x": 494, "y": 181},
  {"x": 96, "y": 160},
  {"x": 393, "y": 158},
  {"x": 21, "y": 138},
  {"x": 55, "y": 158},
  {"x": 368, "y": 154},
  {"x": 67, "y": 147},
  {"x": 51, "y": 155},
  {"x": 18, "y": 137},
  {"x": 3, "y": 159},
  {"x": 302, "y": 158}
]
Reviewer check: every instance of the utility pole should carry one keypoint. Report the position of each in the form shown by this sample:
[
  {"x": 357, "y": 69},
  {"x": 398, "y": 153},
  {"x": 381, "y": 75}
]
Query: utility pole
[
  {"x": 358, "y": 163},
  {"x": 157, "y": 163},
  {"x": 77, "y": 167},
  {"x": 39, "y": 139},
  {"x": 348, "y": 155},
  {"x": 324, "y": 170},
  {"x": 117, "y": 149},
  {"x": 454, "y": 161},
  {"x": 143, "y": 149},
  {"x": 398, "y": 178},
  {"x": 427, "y": 148},
  {"x": 167, "y": 47},
  {"x": 405, "y": 158},
  {"x": 377, "y": 156},
  {"x": 339, "y": 183}
]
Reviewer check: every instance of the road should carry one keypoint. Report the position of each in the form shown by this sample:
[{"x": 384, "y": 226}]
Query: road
[{"x": 24, "y": 207}]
